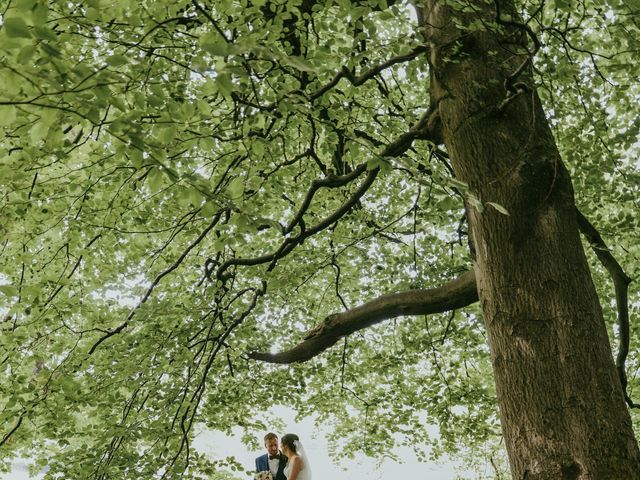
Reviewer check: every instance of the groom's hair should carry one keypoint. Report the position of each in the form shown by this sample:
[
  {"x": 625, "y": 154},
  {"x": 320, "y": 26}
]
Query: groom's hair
[{"x": 269, "y": 436}]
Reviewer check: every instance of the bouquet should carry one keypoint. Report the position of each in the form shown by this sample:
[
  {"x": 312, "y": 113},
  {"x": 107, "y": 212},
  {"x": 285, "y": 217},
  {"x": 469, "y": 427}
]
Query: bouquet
[{"x": 266, "y": 475}]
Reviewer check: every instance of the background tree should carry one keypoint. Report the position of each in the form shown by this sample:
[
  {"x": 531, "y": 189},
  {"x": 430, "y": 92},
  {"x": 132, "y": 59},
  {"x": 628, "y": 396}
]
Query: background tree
[{"x": 186, "y": 183}]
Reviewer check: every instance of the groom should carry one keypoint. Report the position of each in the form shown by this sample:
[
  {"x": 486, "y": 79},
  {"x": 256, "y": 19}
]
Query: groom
[{"x": 273, "y": 460}]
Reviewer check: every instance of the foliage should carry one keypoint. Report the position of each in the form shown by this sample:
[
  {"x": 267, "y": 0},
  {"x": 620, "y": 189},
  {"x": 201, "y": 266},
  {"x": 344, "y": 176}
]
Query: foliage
[{"x": 156, "y": 157}]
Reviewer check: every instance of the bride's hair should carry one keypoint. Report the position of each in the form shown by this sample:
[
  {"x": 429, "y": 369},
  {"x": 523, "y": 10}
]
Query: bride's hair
[{"x": 289, "y": 440}]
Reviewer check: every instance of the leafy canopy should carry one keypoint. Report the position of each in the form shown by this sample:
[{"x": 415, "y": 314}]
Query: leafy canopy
[{"x": 183, "y": 183}]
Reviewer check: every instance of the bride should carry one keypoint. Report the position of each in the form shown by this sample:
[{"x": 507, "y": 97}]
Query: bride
[{"x": 298, "y": 467}]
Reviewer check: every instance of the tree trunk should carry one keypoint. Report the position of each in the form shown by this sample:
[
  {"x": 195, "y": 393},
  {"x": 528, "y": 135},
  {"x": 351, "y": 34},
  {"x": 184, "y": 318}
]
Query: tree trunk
[{"x": 561, "y": 403}]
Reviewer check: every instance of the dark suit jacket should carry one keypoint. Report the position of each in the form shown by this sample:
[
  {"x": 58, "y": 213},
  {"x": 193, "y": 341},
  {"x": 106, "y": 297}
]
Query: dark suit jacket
[{"x": 262, "y": 465}]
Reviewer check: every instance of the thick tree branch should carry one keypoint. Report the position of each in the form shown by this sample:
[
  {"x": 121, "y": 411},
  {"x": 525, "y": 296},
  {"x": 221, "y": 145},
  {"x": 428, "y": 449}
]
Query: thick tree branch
[
  {"x": 621, "y": 283},
  {"x": 456, "y": 294},
  {"x": 393, "y": 149},
  {"x": 331, "y": 181}
]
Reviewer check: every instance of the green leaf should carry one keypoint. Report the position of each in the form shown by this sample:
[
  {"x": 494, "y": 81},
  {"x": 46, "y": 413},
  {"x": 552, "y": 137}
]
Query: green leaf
[
  {"x": 195, "y": 196},
  {"x": 475, "y": 202},
  {"x": 209, "y": 209},
  {"x": 460, "y": 185},
  {"x": 224, "y": 84},
  {"x": 203, "y": 107},
  {"x": 117, "y": 102},
  {"x": 7, "y": 114},
  {"x": 45, "y": 33},
  {"x": 167, "y": 134},
  {"x": 155, "y": 180},
  {"x": 40, "y": 14},
  {"x": 116, "y": 60},
  {"x": 186, "y": 197},
  {"x": 498, "y": 207},
  {"x": 39, "y": 131},
  {"x": 26, "y": 54},
  {"x": 299, "y": 63},
  {"x": 235, "y": 188},
  {"x": 379, "y": 162},
  {"x": 257, "y": 147},
  {"x": 209, "y": 87},
  {"x": 93, "y": 114},
  {"x": 16, "y": 27},
  {"x": 9, "y": 290},
  {"x": 156, "y": 101},
  {"x": 49, "y": 50},
  {"x": 24, "y": 5},
  {"x": 214, "y": 44},
  {"x": 137, "y": 159}
]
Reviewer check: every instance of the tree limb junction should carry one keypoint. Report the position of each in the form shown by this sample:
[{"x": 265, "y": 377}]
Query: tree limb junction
[{"x": 621, "y": 283}]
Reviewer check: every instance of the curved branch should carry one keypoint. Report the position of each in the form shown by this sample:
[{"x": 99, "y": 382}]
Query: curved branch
[
  {"x": 456, "y": 294},
  {"x": 621, "y": 283},
  {"x": 291, "y": 242},
  {"x": 369, "y": 74},
  {"x": 393, "y": 149},
  {"x": 331, "y": 181},
  {"x": 7, "y": 436}
]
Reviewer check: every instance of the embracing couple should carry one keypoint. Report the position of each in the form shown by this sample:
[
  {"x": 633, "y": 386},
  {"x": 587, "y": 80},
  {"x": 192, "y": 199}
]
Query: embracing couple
[{"x": 288, "y": 462}]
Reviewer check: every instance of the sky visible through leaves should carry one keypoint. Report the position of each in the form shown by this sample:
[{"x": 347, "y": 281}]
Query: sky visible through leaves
[{"x": 184, "y": 183}]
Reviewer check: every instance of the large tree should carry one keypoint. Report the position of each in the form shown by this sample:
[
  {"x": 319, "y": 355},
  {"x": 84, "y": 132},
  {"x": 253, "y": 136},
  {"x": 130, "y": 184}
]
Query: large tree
[{"x": 188, "y": 184}]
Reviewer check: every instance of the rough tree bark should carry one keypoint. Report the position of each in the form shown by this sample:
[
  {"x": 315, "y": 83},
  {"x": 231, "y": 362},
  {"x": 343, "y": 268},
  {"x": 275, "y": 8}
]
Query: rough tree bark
[
  {"x": 561, "y": 400},
  {"x": 562, "y": 407}
]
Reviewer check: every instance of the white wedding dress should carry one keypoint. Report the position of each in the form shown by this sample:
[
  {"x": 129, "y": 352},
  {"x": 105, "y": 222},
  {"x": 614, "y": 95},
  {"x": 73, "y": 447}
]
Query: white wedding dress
[{"x": 304, "y": 474}]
